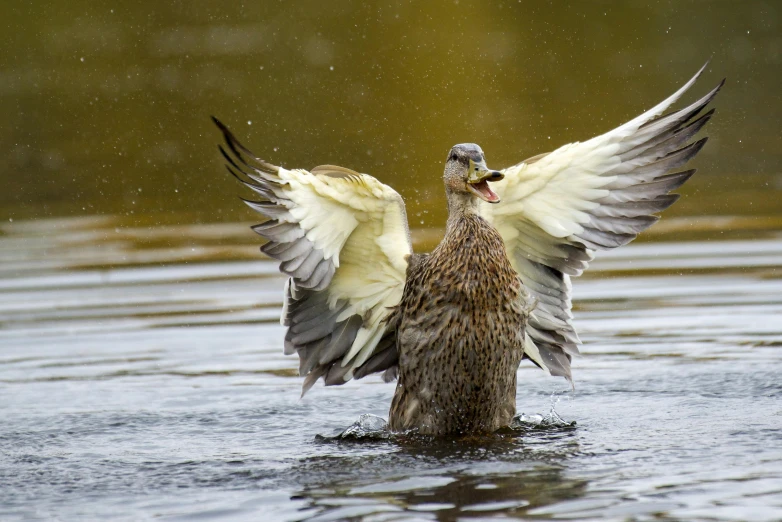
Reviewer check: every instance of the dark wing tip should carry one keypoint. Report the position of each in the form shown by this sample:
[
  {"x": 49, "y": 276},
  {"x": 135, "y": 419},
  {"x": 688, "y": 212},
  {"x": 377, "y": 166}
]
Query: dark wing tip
[
  {"x": 228, "y": 135},
  {"x": 223, "y": 128},
  {"x": 696, "y": 147},
  {"x": 707, "y": 116},
  {"x": 718, "y": 87},
  {"x": 711, "y": 95},
  {"x": 240, "y": 151}
]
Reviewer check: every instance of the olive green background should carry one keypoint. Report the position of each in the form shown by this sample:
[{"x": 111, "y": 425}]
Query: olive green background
[{"x": 106, "y": 105}]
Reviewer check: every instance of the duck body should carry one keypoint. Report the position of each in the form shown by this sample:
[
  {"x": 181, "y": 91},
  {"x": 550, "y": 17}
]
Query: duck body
[
  {"x": 454, "y": 325},
  {"x": 460, "y": 335}
]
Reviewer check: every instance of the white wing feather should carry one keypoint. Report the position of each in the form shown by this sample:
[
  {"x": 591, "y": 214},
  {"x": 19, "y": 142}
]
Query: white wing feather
[
  {"x": 557, "y": 209},
  {"x": 343, "y": 239}
]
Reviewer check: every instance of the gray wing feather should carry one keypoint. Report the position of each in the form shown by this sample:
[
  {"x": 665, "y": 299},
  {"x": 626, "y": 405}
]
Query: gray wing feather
[
  {"x": 647, "y": 172},
  {"x": 302, "y": 266},
  {"x": 669, "y": 141},
  {"x": 341, "y": 339},
  {"x": 636, "y": 209},
  {"x": 386, "y": 356},
  {"x": 288, "y": 251},
  {"x": 320, "y": 276},
  {"x": 278, "y": 232}
]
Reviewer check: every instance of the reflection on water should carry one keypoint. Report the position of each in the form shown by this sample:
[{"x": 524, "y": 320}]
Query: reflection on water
[
  {"x": 141, "y": 381},
  {"x": 507, "y": 474}
]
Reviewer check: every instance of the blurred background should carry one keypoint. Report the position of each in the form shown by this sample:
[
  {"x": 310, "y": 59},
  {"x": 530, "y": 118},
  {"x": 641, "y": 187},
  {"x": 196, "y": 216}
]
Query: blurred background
[
  {"x": 141, "y": 365},
  {"x": 107, "y": 104}
]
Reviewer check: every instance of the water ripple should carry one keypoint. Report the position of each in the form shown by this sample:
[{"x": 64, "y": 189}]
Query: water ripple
[{"x": 162, "y": 389}]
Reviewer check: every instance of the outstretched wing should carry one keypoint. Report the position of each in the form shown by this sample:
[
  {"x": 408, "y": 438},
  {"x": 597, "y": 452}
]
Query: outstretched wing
[
  {"x": 343, "y": 239},
  {"x": 557, "y": 209}
]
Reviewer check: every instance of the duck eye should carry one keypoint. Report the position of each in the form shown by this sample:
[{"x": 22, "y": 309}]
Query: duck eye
[{"x": 453, "y": 157}]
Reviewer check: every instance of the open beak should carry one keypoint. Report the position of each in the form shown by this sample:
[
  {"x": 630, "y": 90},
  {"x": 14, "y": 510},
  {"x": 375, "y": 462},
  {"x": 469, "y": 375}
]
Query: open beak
[{"x": 478, "y": 181}]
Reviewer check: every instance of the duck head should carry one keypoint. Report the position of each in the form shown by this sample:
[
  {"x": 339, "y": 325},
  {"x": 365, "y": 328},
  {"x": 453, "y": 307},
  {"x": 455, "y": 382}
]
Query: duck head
[{"x": 466, "y": 173}]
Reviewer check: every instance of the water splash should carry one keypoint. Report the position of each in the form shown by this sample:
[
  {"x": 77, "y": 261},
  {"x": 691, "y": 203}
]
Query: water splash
[
  {"x": 538, "y": 421},
  {"x": 367, "y": 427},
  {"x": 370, "y": 427}
]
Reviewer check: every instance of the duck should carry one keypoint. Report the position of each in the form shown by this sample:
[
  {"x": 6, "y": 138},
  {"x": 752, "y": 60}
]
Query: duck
[{"x": 453, "y": 326}]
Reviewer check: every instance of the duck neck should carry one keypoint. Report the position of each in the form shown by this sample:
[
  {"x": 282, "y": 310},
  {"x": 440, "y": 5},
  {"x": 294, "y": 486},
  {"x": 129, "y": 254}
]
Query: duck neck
[{"x": 460, "y": 205}]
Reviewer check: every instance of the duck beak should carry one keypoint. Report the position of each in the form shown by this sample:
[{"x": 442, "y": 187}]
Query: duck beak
[{"x": 478, "y": 178}]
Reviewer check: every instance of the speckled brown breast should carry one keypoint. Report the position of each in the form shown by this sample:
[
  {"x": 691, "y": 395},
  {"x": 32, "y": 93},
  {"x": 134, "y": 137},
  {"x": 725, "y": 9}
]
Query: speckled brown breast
[{"x": 460, "y": 335}]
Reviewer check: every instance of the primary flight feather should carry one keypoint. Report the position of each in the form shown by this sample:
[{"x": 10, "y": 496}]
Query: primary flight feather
[{"x": 453, "y": 325}]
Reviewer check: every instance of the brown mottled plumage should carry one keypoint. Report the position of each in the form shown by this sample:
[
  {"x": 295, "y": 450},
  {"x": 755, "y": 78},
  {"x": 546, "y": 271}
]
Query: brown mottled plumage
[{"x": 460, "y": 334}]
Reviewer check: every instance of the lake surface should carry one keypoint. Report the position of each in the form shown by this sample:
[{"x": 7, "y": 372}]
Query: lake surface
[
  {"x": 141, "y": 365},
  {"x": 142, "y": 376}
]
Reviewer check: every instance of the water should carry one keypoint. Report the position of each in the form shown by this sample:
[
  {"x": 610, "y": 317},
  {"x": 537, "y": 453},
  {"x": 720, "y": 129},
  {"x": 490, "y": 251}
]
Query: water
[
  {"x": 142, "y": 376},
  {"x": 141, "y": 366}
]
